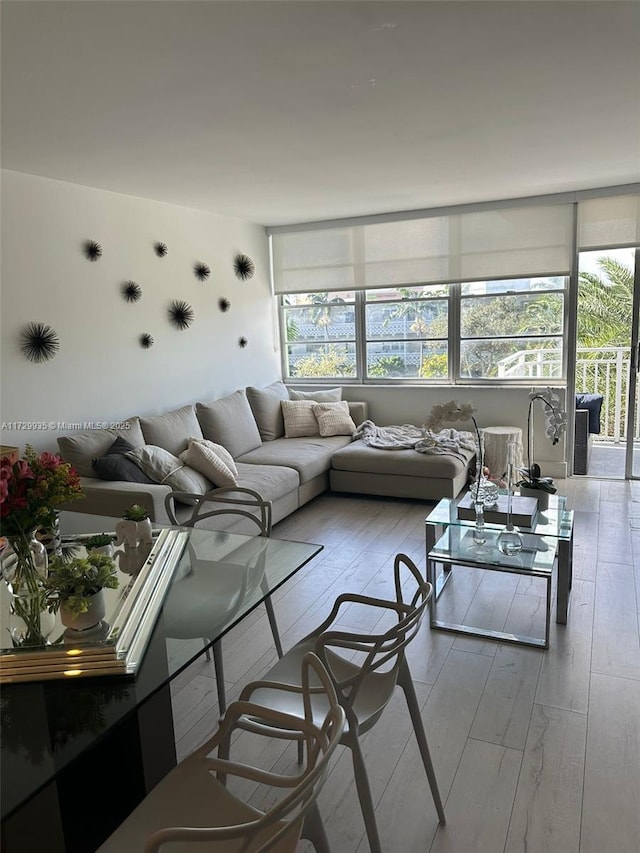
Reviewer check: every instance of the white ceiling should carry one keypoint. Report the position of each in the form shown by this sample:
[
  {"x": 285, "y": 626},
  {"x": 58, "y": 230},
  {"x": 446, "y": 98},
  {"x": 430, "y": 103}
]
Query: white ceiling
[{"x": 282, "y": 112}]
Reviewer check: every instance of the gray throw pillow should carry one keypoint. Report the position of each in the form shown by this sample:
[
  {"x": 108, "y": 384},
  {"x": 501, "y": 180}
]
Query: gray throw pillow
[
  {"x": 265, "y": 405},
  {"x": 165, "y": 468},
  {"x": 115, "y": 465},
  {"x": 80, "y": 449}
]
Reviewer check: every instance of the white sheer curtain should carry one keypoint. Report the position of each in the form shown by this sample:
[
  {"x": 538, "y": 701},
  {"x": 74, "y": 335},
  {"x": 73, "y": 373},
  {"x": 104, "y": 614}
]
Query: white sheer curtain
[{"x": 607, "y": 223}]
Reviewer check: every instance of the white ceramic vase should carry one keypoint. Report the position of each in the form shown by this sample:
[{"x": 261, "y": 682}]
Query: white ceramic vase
[{"x": 83, "y": 621}]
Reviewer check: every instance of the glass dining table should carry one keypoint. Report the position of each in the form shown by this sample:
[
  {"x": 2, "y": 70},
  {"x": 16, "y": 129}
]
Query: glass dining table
[{"x": 77, "y": 755}]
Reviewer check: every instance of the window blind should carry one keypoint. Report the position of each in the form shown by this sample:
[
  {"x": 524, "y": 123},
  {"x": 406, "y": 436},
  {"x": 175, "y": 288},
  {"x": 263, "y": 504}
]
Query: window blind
[
  {"x": 607, "y": 223},
  {"x": 502, "y": 243}
]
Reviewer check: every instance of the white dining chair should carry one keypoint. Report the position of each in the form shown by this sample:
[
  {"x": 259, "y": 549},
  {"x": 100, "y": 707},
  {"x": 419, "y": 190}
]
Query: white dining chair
[
  {"x": 230, "y": 592},
  {"x": 365, "y": 669},
  {"x": 194, "y": 807}
]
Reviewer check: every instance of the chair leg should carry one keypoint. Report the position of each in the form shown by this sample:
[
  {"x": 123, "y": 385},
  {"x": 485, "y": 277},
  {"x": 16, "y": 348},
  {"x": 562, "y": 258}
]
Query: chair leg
[
  {"x": 207, "y": 652},
  {"x": 364, "y": 792},
  {"x": 313, "y": 830},
  {"x": 219, "y": 668},
  {"x": 274, "y": 625},
  {"x": 406, "y": 682}
]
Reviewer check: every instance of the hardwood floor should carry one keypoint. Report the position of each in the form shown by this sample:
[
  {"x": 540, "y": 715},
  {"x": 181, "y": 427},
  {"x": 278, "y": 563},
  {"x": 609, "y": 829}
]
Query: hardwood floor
[{"x": 535, "y": 751}]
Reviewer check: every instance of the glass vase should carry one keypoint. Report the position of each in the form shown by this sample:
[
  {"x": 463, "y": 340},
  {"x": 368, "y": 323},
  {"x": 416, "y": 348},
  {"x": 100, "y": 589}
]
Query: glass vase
[
  {"x": 509, "y": 540},
  {"x": 24, "y": 570}
]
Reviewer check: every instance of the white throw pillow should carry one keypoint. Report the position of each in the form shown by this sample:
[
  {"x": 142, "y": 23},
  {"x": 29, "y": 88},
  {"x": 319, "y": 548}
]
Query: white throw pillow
[
  {"x": 210, "y": 463},
  {"x": 219, "y": 450},
  {"x": 299, "y": 419},
  {"x": 329, "y": 395},
  {"x": 333, "y": 418}
]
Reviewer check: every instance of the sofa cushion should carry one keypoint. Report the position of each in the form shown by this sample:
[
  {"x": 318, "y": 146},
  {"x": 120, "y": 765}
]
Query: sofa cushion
[
  {"x": 328, "y": 395},
  {"x": 229, "y": 421},
  {"x": 309, "y": 456},
  {"x": 333, "y": 418},
  {"x": 172, "y": 429},
  {"x": 361, "y": 458},
  {"x": 265, "y": 405},
  {"x": 165, "y": 468},
  {"x": 80, "y": 449},
  {"x": 270, "y": 481},
  {"x": 203, "y": 457},
  {"x": 299, "y": 419},
  {"x": 114, "y": 465}
]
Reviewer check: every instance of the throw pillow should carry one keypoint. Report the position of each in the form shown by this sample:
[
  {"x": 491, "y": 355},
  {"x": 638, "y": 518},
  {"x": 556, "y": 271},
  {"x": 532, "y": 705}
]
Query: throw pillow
[
  {"x": 265, "y": 405},
  {"x": 299, "y": 419},
  {"x": 165, "y": 468},
  {"x": 204, "y": 459},
  {"x": 114, "y": 465},
  {"x": 219, "y": 450},
  {"x": 333, "y": 419},
  {"x": 330, "y": 395}
]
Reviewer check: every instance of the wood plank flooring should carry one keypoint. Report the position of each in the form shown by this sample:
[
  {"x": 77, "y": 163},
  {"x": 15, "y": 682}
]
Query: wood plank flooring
[{"x": 535, "y": 751}]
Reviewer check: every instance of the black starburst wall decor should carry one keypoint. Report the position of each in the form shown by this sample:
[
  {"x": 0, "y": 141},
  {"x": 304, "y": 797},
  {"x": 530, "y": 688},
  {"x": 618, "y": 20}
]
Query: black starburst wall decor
[
  {"x": 243, "y": 267},
  {"x": 39, "y": 342},
  {"x": 201, "y": 271},
  {"x": 146, "y": 340},
  {"x": 160, "y": 249},
  {"x": 131, "y": 292},
  {"x": 243, "y": 342},
  {"x": 224, "y": 304},
  {"x": 92, "y": 250},
  {"x": 180, "y": 314}
]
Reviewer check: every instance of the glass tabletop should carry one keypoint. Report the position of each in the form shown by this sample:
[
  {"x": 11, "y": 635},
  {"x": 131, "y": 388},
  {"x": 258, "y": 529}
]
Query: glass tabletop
[
  {"x": 216, "y": 581},
  {"x": 556, "y": 521},
  {"x": 456, "y": 545}
]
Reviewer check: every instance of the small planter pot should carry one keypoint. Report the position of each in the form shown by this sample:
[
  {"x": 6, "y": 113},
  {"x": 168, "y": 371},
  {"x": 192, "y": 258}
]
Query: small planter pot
[
  {"x": 84, "y": 621},
  {"x": 541, "y": 496}
]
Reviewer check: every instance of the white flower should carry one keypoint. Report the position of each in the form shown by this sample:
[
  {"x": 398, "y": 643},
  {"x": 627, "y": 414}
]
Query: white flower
[{"x": 448, "y": 413}]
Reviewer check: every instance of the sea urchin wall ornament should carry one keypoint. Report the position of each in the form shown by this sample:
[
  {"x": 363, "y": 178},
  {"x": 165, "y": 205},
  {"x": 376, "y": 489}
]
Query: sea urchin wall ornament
[
  {"x": 131, "y": 291},
  {"x": 201, "y": 271},
  {"x": 146, "y": 340},
  {"x": 39, "y": 342},
  {"x": 243, "y": 342},
  {"x": 243, "y": 267},
  {"x": 180, "y": 314},
  {"x": 160, "y": 249},
  {"x": 92, "y": 250},
  {"x": 224, "y": 304}
]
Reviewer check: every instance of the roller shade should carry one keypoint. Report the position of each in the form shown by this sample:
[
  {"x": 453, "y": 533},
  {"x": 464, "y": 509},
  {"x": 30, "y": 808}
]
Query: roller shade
[
  {"x": 502, "y": 243},
  {"x": 607, "y": 223}
]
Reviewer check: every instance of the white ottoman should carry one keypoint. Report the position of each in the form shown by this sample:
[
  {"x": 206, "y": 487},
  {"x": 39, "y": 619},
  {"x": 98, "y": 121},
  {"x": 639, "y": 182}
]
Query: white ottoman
[{"x": 496, "y": 449}]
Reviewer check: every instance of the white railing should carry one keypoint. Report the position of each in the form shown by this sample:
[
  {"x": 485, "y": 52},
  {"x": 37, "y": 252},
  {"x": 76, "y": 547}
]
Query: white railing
[{"x": 599, "y": 370}]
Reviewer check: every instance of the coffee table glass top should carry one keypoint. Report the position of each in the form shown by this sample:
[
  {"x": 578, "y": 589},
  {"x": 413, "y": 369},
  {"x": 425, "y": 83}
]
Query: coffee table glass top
[
  {"x": 556, "y": 521},
  {"x": 456, "y": 545}
]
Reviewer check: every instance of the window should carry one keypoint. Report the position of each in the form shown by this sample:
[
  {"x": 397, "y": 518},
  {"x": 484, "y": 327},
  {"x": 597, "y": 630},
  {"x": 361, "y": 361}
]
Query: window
[
  {"x": 319, "y": 335},
  {"x": 497, "y": 330}
]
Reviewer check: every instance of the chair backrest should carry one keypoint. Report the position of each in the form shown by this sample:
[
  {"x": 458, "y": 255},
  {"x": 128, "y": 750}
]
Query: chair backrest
[
  {"x": 381, "y": 655},
  {"x": 278, "y": 828},
  {"x": 228, "y": 500}
]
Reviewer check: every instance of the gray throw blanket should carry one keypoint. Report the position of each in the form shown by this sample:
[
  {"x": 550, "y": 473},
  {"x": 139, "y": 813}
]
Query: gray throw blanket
[{"x": 448, "y": 442}]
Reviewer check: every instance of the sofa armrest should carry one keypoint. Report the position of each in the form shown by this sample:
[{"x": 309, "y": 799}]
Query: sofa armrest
[
  {"x": 111, "y": 498},
  {"x": 359, "y": 411}
]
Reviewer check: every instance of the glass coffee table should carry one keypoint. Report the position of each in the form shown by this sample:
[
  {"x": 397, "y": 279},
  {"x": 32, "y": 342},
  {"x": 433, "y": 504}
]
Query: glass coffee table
[{"x": 555, "y": 523}]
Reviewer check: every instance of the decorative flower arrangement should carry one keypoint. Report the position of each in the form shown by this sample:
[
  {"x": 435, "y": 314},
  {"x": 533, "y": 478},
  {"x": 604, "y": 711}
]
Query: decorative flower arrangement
[
  {"x": 555, "y": 425},
  {"x": 31, "y": 490},
  {"x": 444, "y": 414}
]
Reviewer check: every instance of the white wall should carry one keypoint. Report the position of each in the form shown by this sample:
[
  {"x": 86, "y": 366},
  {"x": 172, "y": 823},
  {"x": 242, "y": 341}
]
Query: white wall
[{"x": 100, "y": 372}]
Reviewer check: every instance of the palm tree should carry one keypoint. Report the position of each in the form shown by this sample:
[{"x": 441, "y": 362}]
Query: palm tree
[{"x": 605, "y": 304}]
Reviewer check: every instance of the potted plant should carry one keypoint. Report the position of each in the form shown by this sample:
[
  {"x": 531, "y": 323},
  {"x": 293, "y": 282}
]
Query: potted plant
[
  {"x": 100, "y": 543},
  {"x": 76, "y": 589},
  {"x": 533, "y": 484},
  {"x": 135, "y": 525}
]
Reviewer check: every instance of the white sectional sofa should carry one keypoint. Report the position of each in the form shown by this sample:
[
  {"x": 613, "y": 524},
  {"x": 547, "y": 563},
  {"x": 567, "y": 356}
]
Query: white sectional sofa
[{"x": 248, "y": 423}]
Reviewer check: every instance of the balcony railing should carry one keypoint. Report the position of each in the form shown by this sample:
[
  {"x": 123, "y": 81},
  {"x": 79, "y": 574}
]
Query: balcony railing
[{"x": 599, "y": 370}]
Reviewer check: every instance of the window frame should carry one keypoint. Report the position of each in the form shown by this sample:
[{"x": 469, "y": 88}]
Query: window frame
[{"x": 454, "y": 339}]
